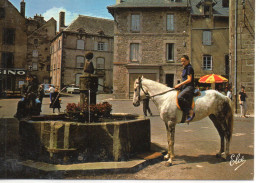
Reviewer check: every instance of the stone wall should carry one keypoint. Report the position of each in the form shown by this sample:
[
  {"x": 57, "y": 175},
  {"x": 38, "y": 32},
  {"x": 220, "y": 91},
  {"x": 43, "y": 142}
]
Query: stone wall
[
  {"x": 152, "y": 39},
  {"x": 245, "y": 63},
  {"x": 39, "y": 41}
]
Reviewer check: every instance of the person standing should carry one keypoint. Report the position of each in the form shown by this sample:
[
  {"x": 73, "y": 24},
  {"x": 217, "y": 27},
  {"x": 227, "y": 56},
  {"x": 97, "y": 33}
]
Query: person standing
[
  {"x": 41, "y": 94},
  {"x": 229, "y": 93},
  {"x": 55, "y": 100},
  {"x": 187, "y": 88},
  {"x": 146, "y": 106},
  {"x": 242, "y": 101},
  {"x": 51, "y": 90}
]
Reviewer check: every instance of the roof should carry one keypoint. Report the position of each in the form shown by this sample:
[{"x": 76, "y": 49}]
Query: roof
[
  {"x": 149, "y": 4},
  {"x": 92, "y": 25},
  {"x": 218, "y": 9}
]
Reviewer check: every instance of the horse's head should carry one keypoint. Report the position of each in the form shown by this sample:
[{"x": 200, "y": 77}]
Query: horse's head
[{"x": 139, "y": 92}]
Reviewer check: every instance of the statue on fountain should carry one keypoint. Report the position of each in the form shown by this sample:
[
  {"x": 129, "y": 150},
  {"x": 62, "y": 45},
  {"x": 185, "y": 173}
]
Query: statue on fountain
[
  {"x": 89, "y": 67},
  {"x": 29, "y": 105}
]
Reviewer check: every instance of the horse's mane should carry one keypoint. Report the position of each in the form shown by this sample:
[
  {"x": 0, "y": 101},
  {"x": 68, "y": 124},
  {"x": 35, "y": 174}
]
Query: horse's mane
[{"x": 162, "y": 86}]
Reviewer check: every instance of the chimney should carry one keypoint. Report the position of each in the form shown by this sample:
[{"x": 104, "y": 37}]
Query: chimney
[
  {"x": 22, "y": 8},
  {"x": 62, "y": 21},
  {"x": 118, "y": 1}
]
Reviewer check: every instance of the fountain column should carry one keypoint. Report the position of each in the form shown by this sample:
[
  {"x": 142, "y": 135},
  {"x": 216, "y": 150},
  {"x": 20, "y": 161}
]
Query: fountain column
[
  {"x": 88, "y": 89},
  {"x": 88, "y": 83}
]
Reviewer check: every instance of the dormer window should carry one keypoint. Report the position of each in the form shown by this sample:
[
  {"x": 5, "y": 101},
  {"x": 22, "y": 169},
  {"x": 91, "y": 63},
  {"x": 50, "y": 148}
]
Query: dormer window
[
  {"x": 207, "y": 10},
  {"x": 101, "y": 32},
  {"x": 205, "y": 7}
]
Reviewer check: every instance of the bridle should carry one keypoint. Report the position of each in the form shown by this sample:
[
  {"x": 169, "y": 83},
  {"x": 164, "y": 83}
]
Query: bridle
[{"x": 140, "y": 87}]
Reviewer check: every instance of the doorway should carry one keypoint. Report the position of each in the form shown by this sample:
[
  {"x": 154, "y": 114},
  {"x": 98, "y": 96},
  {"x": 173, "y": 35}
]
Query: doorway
[{"x": 169, "y": 80}]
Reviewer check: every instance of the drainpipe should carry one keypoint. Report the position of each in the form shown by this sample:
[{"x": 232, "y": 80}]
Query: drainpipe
[{"x": 235, "y": 54}]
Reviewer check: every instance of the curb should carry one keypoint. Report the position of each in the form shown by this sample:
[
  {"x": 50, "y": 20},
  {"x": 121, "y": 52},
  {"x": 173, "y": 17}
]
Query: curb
[{"x": 45, "y": 170}]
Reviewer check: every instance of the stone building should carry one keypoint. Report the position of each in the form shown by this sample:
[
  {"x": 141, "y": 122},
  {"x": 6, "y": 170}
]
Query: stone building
[
  {"x": 40, "y": 34},
  {"x": 24, "y": 46},
  {"x": 151, "y": 36},
  {"x": 210, "y": 37},
  {"x": 13, "y": 46},
  {"x": 242, "y": 50},
  {"x": 69, "y": 47}
]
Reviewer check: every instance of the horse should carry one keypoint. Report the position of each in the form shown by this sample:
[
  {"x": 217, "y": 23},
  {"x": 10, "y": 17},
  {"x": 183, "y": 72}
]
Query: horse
[{"x": 210, "y": 104}]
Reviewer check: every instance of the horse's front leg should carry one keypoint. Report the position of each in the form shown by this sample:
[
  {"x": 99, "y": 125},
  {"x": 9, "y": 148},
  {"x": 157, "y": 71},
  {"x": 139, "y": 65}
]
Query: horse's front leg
[{"x": 171, "y": 136}]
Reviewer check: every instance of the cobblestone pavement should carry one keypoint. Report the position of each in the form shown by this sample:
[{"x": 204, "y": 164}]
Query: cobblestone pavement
[{"x": 195, "y": 145}]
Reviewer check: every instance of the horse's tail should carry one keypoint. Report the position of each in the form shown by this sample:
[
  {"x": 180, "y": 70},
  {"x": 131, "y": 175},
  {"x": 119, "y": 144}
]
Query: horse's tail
[{"x": 229, "y": 118}]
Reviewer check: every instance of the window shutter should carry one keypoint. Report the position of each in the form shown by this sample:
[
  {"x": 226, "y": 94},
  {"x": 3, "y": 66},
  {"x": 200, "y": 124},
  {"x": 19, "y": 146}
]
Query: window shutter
[
  {"x": 207, "y": 37},
  {"x": 135, "y": 23},
  {"x": 105, "y": 47},
  {"x": 95, "y": 45},
  {"x": 80, "y": 44},
  {"x": 170, "y": 22}
]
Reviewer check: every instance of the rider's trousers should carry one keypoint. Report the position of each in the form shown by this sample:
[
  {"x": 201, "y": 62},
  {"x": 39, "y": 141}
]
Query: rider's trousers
[{"x": 185, "y": 98}]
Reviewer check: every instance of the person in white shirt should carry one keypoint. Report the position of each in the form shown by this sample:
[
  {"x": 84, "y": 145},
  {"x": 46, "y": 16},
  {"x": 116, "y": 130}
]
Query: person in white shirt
[
  {"x": 51, "y": 89},
  {"x": 229, "y": 94}
]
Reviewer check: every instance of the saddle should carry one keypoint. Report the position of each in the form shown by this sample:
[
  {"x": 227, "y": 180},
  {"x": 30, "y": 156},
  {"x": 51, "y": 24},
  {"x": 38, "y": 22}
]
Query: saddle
[{"x": 195, "y": 94}]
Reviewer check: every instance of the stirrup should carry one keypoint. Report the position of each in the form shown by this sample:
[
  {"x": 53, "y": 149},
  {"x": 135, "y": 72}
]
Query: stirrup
[{"x": 190, "y": 118}]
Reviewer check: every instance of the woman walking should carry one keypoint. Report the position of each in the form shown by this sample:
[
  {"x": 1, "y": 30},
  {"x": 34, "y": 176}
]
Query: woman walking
[{"x": 55, "y": 100}]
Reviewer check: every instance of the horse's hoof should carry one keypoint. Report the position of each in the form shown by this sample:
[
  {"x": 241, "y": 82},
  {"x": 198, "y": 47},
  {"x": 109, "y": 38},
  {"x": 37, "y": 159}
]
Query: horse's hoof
[
  {"x": 224, "y": 156},
  {"x": 168, "y": 164},
  {"x": 166, "y": 157},
  {"x": 218, "y": 155}
]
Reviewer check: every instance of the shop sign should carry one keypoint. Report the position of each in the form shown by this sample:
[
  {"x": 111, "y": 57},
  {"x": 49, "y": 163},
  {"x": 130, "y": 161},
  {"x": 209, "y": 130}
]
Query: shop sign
[{"x": 14, "y": 72}]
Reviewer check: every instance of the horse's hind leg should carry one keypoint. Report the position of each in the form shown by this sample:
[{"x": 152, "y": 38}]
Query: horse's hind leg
[{"x": 220, "y": 132}]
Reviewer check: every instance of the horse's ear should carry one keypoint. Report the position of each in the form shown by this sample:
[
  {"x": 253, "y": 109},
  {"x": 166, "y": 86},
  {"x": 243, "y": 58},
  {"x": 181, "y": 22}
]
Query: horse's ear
[{"x": 142, "y": 77}]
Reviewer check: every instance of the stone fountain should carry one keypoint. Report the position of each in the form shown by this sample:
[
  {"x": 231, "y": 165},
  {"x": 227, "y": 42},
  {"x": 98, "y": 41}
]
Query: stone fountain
[{"x": 59, "y": 140}]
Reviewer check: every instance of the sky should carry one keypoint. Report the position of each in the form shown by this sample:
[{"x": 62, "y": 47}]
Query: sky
[{"x": 72, "y": 8}]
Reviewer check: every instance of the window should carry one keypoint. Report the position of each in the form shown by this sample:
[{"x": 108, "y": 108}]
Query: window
[
  {"x": 207, "y": 37},
  {"x": 80, "y": 61},
  {"x": 207, "y": 62},
  {"x": 100, "y": 63},
  {"x": 34, "y": 66},
  {"x": 170, "y": 22},
  {"x": 206, "y": 10},
  {"x": 77, "y": 79},
  {"x": 7, "y": 60},
  {"x": 170, "y": 51},
  {"x": 134, "y": 52},
  {"x": 2, "y": 12},
  {"x": 48, "y": 68},
  {"x": 101, "y": 46},
  {"x": 35, "y": 41},
  {"x": 135, "y": 23},
  {"x": 80, "y": 44},
  {"x": 225, "y": 3},
  {"x": 59, "y": 46},
  {"x": 8, "y": 36},
  {"x": 35, "y": 53}
]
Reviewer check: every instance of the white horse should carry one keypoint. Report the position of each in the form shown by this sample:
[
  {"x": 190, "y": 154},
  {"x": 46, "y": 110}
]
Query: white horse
[{"x": 210, "y": 103}]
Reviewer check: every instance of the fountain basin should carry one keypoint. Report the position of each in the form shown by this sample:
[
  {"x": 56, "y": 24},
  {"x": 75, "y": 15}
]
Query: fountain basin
[{"x": 55, "y": 139}]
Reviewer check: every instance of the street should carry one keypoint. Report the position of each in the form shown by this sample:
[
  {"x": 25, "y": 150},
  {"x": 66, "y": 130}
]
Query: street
[{"x": 196, "y": 145}]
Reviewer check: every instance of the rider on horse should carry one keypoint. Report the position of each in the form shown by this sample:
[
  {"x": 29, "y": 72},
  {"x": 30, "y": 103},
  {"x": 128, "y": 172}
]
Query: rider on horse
[{"x": 187, "y": 88}]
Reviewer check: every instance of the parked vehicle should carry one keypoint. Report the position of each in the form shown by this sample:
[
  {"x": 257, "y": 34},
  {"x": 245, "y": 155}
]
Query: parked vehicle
[
  {"x": 46, "y": 88},
  {"x": 72, "y": 89}
]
